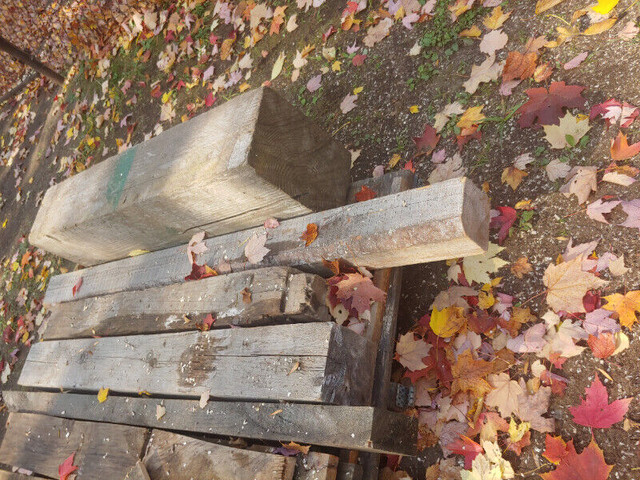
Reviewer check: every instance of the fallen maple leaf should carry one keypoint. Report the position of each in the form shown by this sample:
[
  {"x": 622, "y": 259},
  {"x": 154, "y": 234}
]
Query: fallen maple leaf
[
  {"x": 567, "y": 284},
  {"x": 493, "y": 41},
  {"x": 557, "y": 169},
  {"x": 532, "y": 407},
  {"x": 196, "y": 246},
  {"x": 447, "y": 322},
  {"x": 521, "y": 267},
  {"x": 513, "y": 176},
  {"x": 468, "y": 375},
  {"x": 604, "y": 6},
  {"x": 504, "y": 221},
  {"x": 102, "y": 395},
  {"x": 613, "y": 112},
  {"x": 67, "y": 467},
  {"x": 428, "y": 141},
  {"x": 625, "y": 306},
  {"x": 504, "y": 395},
  {"x": 365, "y": 194},
  {"x": 546, "y": 107},
  {"x": 595, "y": 410},
  {"x": 198, "y": 272},
  {"x": 76, "y": 287},
  {"x": 632, "y": 209},
  {"x": 496, "y": 19},
  {"x": 567, "y": 132},
  {"x": 602, "y": 346},
  {"x": 544, "y": 5},
  {"x": 304, "y": 449},
  {"x": 487, "y": 71},
  {"x": 255, "y": 249},
  {"x": 478, "y": 267},
  {"x": 597, "y": 209},
  {"x": 519, "y": 66},
  {"x": 466, "y": 447},
  {"x": 471, "y": 117},
  {"x": 410, "y": 352},
  {"x": 555, "y": 449},
  {"x": 582, "y": 182},
  {"x": 310, "y": 234},
  {"x": 589, "y": 464},
  {"x": 207, "y": 323},
  {"x": 357, "y": 292},
  {"x": 621, "y": 150}
]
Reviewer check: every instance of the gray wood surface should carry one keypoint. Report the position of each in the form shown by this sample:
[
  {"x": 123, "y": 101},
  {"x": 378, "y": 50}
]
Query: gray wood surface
[
  {"x": 316, "y": 466},
  {"x": 41, "y": 443},
  {"x": 447, "y": 220},
  {"x": 351, "y": 427},
  {"x": 228, "y": 169},
  {"x": 278, "y": 295},
  {"x": 4, "y": 475},
  {"x": 178, "y": 457},
  {"x": 309, "y": 362},
  {"x": 138, "y": 472}
]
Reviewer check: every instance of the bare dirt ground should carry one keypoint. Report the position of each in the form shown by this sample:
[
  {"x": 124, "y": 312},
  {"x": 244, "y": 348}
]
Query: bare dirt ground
[{"x": 380, "y": 127}]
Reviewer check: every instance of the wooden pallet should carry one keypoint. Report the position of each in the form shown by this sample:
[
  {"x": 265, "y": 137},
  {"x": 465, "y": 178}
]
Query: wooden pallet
[{"x": 288, "y": 374}]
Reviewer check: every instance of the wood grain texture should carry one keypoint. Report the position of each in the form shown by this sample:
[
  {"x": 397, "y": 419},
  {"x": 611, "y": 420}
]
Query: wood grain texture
[
  {"x": 138, "y": 472},
  {"x": 316, "y": 466},
  {"x": 4, "y": 475},
  {"x": 179, "y": 457},
  {"x": 40, "y": 443},
  {"x": 447, "y": 220},
  {"x": 351, "y": 427},
  {"x": 308, "y": 362},
  {"x": 278, "y": 295},
  {"x": 228, "y": 169}
]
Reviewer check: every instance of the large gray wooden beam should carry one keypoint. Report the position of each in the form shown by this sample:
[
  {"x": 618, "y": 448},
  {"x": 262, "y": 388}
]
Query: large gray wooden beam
[
  {"x": 447, "y": 220},
  {"x": 351, "y": 427},
  {"x": 41, "y": 443},
  {"x": 242, "y": 299},
  {"x": 225, "y": 170},
  {"x": 307, "y": 362},
  {"x": 179, "y": 457}
]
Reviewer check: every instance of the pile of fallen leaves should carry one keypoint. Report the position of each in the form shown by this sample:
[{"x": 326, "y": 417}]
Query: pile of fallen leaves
[{"x": 24, "y": 279}]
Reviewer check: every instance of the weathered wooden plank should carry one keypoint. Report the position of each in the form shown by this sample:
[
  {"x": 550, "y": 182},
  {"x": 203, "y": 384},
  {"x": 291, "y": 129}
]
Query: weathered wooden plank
[
  {"x": 179, "y": 457},
  {"x": 138, "y": 472},
  {"x": 278, "y": 295},
  {"x": 351, "y": 427},
  {"x": 4, "y": 475},
  {"x": 316, "y": 466},
  {"x": 446, "y": 220},
  {"x": 40, "y": 443},
  {"x": 225, "y": 170},
  {"x": 314, "y": 362}
]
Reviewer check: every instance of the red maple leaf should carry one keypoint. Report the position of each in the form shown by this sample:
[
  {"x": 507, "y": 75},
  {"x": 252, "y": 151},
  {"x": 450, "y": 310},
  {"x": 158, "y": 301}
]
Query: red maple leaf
[
  {"x": 596, "y": 411},
  {"x": 355, "y": 291},
  {"x": 547, "y": 106},
  {"x": 365, "y": 193},
  {"x": 198, "y": 272},
  {"x": 67, "y": 467},
  {"x": 207, "y": 323},
  {"x": 466, "y": 447},
  {"x": 555, "y": 449},
  {"x": 504, "y": 221},
  {"x": 428, "y": 141},
  {"x": 76, "y": 287},
  {"x": 589, "y": 464}
]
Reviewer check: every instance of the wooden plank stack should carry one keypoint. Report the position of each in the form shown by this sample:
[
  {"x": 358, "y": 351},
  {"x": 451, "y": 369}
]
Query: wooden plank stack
[{"x": 273, "y": 367}]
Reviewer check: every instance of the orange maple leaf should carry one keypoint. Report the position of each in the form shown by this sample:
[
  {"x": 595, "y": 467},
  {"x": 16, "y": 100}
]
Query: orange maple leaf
[
  {"x": 468, "y": 375},
  {"x": 624, "y": 305},
  {"x": 588, "y": 464},
  {"x": 310, "y": 234},
  {"x": 621, "y": 150}
]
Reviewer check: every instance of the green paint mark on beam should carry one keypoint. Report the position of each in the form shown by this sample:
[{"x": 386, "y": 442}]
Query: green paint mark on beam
[{"x": 119, "y": 177}]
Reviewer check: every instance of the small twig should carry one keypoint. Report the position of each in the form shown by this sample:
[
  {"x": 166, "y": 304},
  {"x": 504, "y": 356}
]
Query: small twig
[
  {"x": 559, "y": 18},
  {"x": 535, "y": 296}
]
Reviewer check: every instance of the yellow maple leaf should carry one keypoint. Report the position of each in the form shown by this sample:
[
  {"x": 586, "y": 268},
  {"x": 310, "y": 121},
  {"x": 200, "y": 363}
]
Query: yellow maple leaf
[
  {"x": 604, "y": 6},
  {"x": 496, "y": 19},
  {"x": 472, "y": 32},
  {"x": 516, "y": 432},
  {"x": 513, "y": 176},
  {"x": 600, "y": 27},
  {"x": 472, "y": 116},
  {"x": 102, "y": 394},
  {"x": 486, "y": 300},
  {"x": 625, "y": 305},
  {"x": 447, "y": 322}
]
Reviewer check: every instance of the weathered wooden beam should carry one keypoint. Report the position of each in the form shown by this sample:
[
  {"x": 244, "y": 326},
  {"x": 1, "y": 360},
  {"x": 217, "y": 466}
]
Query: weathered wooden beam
[
  {"x": 252, "y": 298},
  {"x": 447, "y": 220},
  {"x": 178, "y": 457},
  {"x": 138, "y": 472},
  {"x": 4, "y": 475},
  {"x": 41, "y": 443},
  {"x": 307, "y": 362},
  {"x": 316, "y": 466},
  {"x": 228, "y": 169},
  {"x": 350, "y": 427}
]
